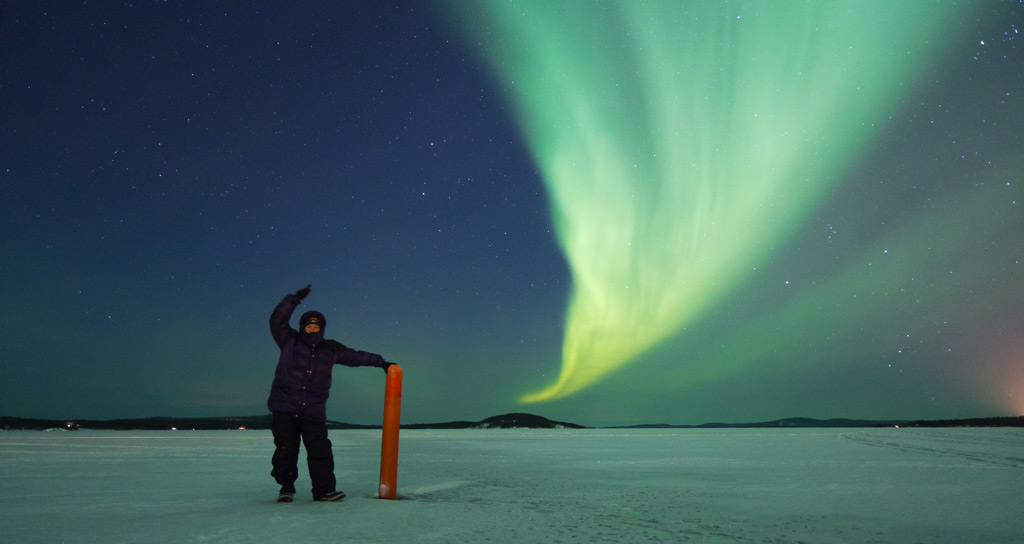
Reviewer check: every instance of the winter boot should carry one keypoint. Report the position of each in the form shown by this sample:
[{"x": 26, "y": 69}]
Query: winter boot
[{"x": 333, "y": 496}]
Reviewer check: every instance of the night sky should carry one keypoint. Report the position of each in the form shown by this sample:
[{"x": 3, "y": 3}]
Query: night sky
[{"x": 605, "y": 213}]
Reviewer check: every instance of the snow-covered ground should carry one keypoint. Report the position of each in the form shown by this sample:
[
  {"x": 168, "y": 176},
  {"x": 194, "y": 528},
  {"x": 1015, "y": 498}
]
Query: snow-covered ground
[{"x": 858, "y": 485}]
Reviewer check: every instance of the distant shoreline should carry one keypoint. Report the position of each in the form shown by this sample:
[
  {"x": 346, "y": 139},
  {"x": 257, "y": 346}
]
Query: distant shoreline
[{"x": 506, "y": 421}]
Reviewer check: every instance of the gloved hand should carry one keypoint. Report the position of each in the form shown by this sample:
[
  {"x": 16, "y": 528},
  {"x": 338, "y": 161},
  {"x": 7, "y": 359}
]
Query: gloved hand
[
  {"x": 385, "y": 366},
  {"x": 302, "y": 293}
]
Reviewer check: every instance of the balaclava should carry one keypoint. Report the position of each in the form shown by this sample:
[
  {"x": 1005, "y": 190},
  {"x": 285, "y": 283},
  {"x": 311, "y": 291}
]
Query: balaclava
[{"x": 312, "y": 338}]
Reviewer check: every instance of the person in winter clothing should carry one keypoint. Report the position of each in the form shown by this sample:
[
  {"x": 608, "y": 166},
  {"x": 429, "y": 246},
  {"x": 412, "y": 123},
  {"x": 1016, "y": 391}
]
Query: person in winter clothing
[{"x": 298, "y": 397}]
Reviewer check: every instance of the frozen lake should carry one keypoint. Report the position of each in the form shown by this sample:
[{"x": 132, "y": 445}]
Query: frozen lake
[{"x": 805, "y": 485}]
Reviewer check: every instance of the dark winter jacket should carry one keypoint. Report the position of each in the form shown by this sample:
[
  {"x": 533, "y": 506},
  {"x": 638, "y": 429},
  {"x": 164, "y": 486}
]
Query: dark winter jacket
[{"x": 302, "y": 381}]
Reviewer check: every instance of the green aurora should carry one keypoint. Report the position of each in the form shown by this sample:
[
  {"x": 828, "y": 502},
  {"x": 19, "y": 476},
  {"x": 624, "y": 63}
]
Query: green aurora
[{"x": 683, "y": 143}]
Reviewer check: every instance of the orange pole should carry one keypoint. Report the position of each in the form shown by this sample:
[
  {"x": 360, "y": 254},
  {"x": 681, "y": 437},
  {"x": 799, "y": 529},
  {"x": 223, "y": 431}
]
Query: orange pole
[{"x": 389, "y": 438}]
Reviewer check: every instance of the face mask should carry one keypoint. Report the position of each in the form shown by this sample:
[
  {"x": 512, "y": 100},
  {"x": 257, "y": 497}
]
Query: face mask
[{"x": 311, "y": 338}]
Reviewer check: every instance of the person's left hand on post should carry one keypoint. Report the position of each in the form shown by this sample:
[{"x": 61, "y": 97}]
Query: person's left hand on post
[
  {"x": 386, "y": 365},
  {"x": 302, "y": 293}
]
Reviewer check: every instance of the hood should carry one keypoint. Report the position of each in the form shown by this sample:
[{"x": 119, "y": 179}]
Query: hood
[{"x": 315, "y": 338}]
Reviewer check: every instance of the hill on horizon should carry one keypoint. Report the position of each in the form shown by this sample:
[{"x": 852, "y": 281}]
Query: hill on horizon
[{"x": 514, "y": 420}]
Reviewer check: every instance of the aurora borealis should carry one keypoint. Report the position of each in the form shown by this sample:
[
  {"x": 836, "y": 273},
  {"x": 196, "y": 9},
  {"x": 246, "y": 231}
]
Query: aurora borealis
[
  {"x": 599, "y": 212},
  {"x": 681, "y": 144}
]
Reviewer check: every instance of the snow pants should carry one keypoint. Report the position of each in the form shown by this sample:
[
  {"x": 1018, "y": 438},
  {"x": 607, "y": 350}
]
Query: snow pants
[{"x": 288, "y": 430}]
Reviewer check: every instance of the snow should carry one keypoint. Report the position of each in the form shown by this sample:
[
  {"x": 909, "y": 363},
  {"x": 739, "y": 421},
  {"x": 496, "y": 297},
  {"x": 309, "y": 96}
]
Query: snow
[{"x": 795, "y": 485}]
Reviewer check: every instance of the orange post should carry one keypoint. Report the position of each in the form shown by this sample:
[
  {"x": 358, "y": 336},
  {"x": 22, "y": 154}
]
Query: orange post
[{"x": 389, "y": 438}]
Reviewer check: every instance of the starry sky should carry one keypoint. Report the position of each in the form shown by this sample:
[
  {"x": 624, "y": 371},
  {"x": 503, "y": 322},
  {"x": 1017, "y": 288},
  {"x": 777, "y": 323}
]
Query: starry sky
[{"x": 600, "y": 212}]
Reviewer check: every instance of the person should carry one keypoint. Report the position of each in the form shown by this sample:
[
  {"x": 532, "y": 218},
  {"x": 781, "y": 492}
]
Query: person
[{"x": 298, "y": 397}]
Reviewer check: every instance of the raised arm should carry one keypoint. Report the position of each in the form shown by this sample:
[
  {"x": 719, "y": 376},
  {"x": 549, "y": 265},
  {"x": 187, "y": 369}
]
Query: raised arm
[{"x": 279, "y": 318}]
